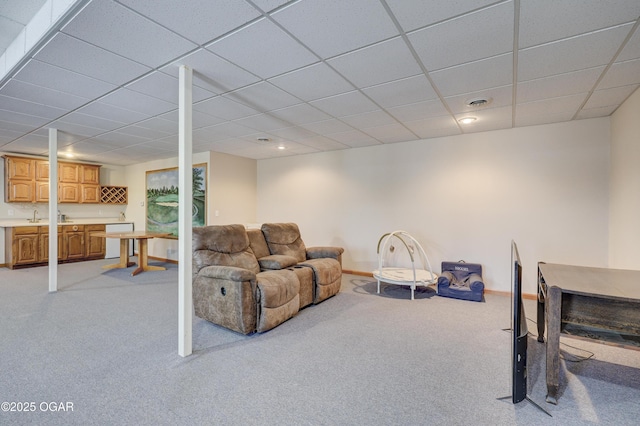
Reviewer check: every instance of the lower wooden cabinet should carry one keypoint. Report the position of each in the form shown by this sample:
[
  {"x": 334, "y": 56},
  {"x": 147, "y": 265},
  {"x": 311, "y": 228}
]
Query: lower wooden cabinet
[{"x": 29, "y": 245}]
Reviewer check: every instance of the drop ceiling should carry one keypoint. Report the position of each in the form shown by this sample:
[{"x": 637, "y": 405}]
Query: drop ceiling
[{"x": 310, "y": 75}]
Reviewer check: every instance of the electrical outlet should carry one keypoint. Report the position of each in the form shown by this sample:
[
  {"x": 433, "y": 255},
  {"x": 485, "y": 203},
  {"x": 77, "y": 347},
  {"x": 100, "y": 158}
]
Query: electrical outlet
[{"x": 141, "y": 203}]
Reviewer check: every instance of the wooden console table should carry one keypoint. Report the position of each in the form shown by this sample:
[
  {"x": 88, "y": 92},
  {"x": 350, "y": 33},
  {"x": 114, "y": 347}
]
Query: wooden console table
[
  {"x": 597, "y": 298},
  {"x": 143, "y": 237}
]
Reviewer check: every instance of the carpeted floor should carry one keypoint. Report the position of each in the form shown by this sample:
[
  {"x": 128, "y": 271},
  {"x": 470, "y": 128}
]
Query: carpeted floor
[{"x": 106, "y": 344}]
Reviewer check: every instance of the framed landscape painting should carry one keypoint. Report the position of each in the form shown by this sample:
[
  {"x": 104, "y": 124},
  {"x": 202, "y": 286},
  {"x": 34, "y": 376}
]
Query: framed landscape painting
[{"x": 162, "y": 199}]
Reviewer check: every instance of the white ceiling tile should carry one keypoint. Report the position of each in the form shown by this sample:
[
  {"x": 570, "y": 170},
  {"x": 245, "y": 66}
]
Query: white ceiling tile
[
  {"x": 536, "y": 120},
  {"x": 390, "y": 133},
  {"x": 138, "y": 102},
  {"x": 262, "y": 96},
  {"x": 113, "y": 113},
  {"x": 621, "y": 74},
  {"x": 587, "y": 51},
  {"x": 434, "y": 127},
  {"x": 199, "y": 119},
  {"x": 91, "y": 121},
  {"x": 558, "y": 85},
  {"x": 117, "y": 139},
  {"x": 26, "y": 148},
  {"x": 632, "y": 49},
  {"x": 332, "y": 27},
  {"x": 224, "y": 131},
  {"x": 41, "y": 95},
  {"x": 354, "y": 138},
  {"x": 562, "y": 105},
  {"x": 369, "y": 119},
  {"x": 224, "y": 108},
  {"x": 262, "y": 122},
  {"x": 542, "y": 21},
  {"x": 76, "y": 129},
  {"x": 115, "y": 28},
  {"x": 23, "y": 119},
  {"x": 419, "y": 110},
  {"x": 84, "y": 58},
  {"x": 412, "y": 14},
  {"x": 13, "y": 126},
  {"x": 326, "y": 82},
  {"x": 482, "y": 34},
  {"x": 52, "y": 77},
  {"x": 475, "y": 76},
  {"x": 364, "y": 68},
  {"x": 322, "y": 143},
  {"x": 142, "y": 132},
  {"x": 25, "y": 107},
  {"x": 269, "y": 5},
  {"x": 90, "y": 147},
  {"x": 597, "y": 112},
  {"x": 165, "y": 87},
  {"x": 197, "y": 20},
  {"x": 292, "y": 133},
  {"x": 401, "y": 92},
  {"x": 610, "y": 97},
  {"x": 263, "y": 49},
  {"x": 497, "y": 97},
  {"x": 488, "y": 119},
  {"x": 345, "y": 104},
  {"x": 160, "y": 124},
  {"x": 211, "y": 72},
  {"x": 327, "y": 127},
  {"x": 300, "y": 114}
]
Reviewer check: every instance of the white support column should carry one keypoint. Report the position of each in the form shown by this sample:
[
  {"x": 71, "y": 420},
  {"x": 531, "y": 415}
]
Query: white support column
[
  {"x": 185, "y": 201},
  {"x": 53, "y": 210}
]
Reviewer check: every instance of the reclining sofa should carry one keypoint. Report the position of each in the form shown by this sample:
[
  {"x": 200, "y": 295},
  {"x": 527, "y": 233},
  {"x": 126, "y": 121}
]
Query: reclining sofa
[{"x": 252, "y": 281}]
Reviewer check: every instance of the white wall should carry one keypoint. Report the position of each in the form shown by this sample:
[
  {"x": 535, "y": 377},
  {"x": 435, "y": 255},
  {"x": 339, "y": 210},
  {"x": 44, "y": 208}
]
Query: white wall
[
  {"x": 231, "y": 189},
  {"x": 624, "y": 226},
  {"x": 463, "y": 197}
]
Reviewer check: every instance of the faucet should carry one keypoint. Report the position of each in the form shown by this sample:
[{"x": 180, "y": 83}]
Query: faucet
[{"x": 35, "y": 213}]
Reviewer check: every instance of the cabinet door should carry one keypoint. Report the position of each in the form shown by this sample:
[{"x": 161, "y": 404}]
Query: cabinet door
[
  {"x": 42, "y": 170},
  {"x": 44, "y": 246},
  {"x": 20, "y": 168},
  {"x": 96, "y": 246},
  {"x": 73, "y": 244},
  {"x": 68, "y": 193},
  {"x": 25, "y": 249},
  {"x": 68, "y": 172},
  {"x": 89, "y": 193},
  {"x": 20, "y": 191},
  {"x": 42, "y": 192},
  {"x": 90, "y": 174}
]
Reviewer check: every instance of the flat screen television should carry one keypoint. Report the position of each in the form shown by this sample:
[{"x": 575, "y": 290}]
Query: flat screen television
[{"x": 519, "y": 330}]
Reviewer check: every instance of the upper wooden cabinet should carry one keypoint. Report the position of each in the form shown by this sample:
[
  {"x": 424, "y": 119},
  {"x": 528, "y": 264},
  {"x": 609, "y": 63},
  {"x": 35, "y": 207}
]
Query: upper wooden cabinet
[
  {"x": 20, "y": 168},
  {"x": 27, "y": 181}
]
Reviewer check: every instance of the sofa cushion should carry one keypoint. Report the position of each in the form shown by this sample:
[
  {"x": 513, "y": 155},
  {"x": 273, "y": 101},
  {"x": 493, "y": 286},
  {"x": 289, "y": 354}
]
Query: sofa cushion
[
  {"x": 225, "y": 245},
  {"x": 258, "y": 243},
  {"x": 284, "y": 238},
  {"x": 276, "y": 261}
]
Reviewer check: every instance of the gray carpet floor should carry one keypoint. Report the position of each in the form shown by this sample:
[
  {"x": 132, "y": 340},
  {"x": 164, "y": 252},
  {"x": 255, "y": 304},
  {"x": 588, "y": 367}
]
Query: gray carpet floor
[{"x": 106, "y": 343}]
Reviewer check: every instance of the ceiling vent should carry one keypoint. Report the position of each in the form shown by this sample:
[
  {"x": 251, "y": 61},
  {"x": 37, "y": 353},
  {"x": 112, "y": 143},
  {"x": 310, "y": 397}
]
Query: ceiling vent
[{"x": 479, "y": 102}]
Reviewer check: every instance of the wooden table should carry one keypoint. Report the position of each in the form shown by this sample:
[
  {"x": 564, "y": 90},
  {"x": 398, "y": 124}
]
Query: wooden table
[
  {"x": 597, "y": 298},
  {"x": 143, "y": 238}
]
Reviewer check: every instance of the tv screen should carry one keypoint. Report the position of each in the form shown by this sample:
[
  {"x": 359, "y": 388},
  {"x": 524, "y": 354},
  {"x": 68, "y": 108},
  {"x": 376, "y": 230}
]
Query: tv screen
[{"x": 519, "y": 330}]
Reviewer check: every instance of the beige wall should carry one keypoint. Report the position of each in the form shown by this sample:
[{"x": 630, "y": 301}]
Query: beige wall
[
  {"x": 463, "y": 197},
  {"x": 231, "y": 189},
  {"x": 624, "y": 211}
]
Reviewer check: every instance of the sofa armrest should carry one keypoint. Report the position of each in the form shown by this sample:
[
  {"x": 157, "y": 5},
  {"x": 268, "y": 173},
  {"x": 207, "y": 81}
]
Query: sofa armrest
[
  {"x": 230, "y": 273},
  {"x": 476, "y": 283},
  {"x": 320, "y": 252},
  {"x": 445, "y": 279},
  {"x": 276, "y": 262}
]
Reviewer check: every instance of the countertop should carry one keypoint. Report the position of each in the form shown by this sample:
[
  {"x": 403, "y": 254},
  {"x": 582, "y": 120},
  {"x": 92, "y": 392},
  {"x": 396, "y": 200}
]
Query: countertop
[{"x": 12, "y": 223}]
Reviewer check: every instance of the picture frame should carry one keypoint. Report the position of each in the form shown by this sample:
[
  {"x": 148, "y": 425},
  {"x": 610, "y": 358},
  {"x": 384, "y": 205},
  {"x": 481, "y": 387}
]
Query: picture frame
[{"x": 162, "y": 187}]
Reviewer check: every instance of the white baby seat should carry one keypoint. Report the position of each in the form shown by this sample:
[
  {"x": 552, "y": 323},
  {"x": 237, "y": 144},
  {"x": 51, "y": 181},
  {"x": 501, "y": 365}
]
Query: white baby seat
[{"x": 397, "y": 264}]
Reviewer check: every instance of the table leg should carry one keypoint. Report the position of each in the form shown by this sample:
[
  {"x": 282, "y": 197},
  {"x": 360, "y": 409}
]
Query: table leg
[
  {"x": 143, "y": 258},
  {"x": 553, "y": 311},
  {"x": 124, "y": 256}
]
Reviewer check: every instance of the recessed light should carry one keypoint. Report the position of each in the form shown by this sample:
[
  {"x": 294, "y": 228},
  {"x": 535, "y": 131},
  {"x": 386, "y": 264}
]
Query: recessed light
[
  {"x": 467, "y": 120},
  {"x": 281, "y": 147}
]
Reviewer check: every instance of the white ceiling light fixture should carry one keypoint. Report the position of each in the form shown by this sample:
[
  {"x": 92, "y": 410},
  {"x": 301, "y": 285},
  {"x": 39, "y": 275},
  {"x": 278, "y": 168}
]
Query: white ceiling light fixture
[{"x": 467, "y": 120}]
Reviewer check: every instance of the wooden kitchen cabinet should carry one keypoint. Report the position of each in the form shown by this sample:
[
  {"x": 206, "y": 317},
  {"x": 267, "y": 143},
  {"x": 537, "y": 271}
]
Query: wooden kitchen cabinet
[
  {"x": 89, "y": 193},
  {"x": 19, "y": 191},
  {"x": 68, "y": 193},
  {"x": 29, "y": 245},
  {"x": 68, "y": 172},
  {"x": 20, "y": 168},
  {"x": 90, "y": 174}
]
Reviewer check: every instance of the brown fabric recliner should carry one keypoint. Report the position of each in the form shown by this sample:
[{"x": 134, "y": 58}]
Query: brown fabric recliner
[
  {"x": 286, "y": 249},
  {"x": 228, "y": 287}
]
